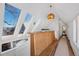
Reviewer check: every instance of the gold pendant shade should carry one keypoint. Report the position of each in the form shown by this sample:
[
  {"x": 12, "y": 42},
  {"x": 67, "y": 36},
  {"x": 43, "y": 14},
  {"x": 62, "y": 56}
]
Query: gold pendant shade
[{"x": 51, "y": 15}]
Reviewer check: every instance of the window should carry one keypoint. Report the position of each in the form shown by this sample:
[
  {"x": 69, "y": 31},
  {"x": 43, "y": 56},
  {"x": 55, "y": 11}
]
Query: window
[
  {"x": 28, "y": 17},
  {"x": 22, "y": 29},
  {"x": 6, "y": 46},
  {"x": 11, "y": 15}
]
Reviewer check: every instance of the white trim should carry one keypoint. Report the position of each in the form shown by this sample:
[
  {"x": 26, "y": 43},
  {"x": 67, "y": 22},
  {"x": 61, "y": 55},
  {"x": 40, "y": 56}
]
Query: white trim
[{"x": 19, "y": 23}]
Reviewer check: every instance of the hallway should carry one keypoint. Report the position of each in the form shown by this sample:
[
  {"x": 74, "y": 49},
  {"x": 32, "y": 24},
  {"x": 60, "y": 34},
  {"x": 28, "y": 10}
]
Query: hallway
[
  {"x": 25, "y": 27},
  {"x": 64, "y": 48}
]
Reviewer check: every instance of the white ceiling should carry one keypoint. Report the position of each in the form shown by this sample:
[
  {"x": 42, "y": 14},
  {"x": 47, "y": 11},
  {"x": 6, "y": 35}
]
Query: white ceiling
[{"x": 66, "y": 11}]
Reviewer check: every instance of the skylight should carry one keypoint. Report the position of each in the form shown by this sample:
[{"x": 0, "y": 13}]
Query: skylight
[
  {"x": 22, "y": 29},
  {"x": 28, "y": 17},
  {"x": 27, "y": 20},
  {"x": 11, "y": 15}
]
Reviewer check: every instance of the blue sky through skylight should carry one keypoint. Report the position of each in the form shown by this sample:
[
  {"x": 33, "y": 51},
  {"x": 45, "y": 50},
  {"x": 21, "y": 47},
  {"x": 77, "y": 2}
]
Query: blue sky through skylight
[
  {"x": 11, "y": 15},
  {"x": 28, "y": 17}
]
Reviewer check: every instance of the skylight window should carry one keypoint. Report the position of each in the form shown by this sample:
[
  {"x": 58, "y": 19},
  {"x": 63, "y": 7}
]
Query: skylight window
[
  {"x": 6, "y": 46},
  {"x": 27, "y": 20},
  {"x": 22, "y": 29},
  {"x": 28, "y": 17},
  {"x": 11, "y": 15}
]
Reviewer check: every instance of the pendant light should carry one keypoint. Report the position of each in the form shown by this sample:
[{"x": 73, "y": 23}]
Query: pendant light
[{"x": 51, "y": 15}]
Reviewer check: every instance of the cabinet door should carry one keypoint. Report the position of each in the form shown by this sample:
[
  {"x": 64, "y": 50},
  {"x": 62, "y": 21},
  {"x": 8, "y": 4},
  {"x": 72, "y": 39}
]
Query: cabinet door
[{"x": 40, "y": 41}]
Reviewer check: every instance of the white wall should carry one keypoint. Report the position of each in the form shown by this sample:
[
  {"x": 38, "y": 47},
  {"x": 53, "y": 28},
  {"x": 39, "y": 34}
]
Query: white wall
[
  {"x": 77, "y": 21},
  {"x": 43, "y": 23},
  {"x": 77, "y": 33},
  {"x": 70, "y": 30},
  {"x": 60, "y": 26},
  {"x": 73, "y": 35}
]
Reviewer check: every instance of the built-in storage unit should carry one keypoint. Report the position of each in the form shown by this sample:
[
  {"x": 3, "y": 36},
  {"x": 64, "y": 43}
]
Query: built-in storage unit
[{"x": 43, "y": 43}]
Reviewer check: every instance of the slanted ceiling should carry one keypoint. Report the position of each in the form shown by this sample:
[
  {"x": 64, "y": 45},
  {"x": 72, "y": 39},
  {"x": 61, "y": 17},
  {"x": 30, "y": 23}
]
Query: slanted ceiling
[{"x": 66, "y": 11}]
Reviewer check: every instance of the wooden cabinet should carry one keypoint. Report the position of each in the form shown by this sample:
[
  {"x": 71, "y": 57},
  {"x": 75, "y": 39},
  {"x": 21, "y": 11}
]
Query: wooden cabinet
[{"x": 40, "y": 41}]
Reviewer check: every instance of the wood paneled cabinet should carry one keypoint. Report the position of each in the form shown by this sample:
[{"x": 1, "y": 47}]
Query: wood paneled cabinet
[{"x": 42, "y": 43}]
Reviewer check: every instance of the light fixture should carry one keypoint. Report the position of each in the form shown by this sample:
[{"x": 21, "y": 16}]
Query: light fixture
[{"x": 51, "y": 15}]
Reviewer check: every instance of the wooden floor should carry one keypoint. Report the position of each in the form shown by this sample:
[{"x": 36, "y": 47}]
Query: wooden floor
[{"x": 64, "y": 47}]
